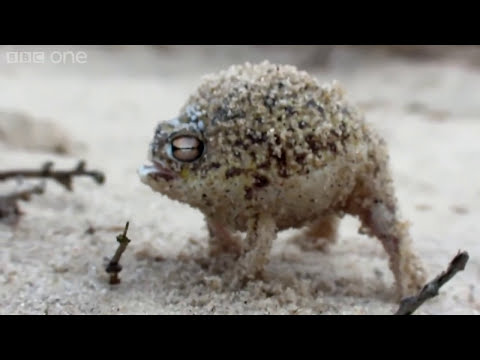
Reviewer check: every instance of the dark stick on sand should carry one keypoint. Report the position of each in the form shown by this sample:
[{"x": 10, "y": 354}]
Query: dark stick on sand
[
  {"x": 63, "y": 177},
  {"x": 114, "y": 267},
  {"x": 9, "y": 210},
  {"x": 409, "y": 304}
]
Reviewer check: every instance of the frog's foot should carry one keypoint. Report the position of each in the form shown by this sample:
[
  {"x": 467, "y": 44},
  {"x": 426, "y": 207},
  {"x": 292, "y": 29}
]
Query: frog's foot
[{"x": 319, "y": 235}]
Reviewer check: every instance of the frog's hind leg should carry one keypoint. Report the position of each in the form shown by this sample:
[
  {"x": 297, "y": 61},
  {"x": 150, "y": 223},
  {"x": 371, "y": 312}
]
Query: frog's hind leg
[
  {"x": 319, "y": 235},
  {"x": 373, "y": 201}
]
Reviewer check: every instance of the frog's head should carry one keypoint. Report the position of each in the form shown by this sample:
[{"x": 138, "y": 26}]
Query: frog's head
[
  {"x": 176, "y": 153},
  {"x": 224, "y": 138}
]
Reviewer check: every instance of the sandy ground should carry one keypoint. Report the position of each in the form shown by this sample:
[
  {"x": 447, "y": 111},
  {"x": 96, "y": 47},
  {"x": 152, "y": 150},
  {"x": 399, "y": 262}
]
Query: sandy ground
[{"x": 104, "y": 111}]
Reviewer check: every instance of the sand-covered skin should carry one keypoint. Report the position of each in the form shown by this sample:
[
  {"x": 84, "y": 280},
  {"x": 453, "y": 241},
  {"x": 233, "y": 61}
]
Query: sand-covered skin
[
  {"x": 427, "y": 111},
  {"x": 261, "y": 148}
]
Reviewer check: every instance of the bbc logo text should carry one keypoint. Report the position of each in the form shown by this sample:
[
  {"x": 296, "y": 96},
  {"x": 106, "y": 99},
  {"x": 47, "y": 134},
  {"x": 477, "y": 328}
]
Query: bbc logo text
[{"x": 42, "y": 57}]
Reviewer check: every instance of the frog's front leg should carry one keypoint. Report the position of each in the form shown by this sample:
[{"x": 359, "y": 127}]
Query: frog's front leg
[
  {"x": 261, "y": 231},
  {"x": 222, "y": 239}
]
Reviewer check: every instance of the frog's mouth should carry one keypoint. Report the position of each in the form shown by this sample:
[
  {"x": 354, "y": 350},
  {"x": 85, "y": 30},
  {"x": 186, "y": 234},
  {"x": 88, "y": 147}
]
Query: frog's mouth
[{"x": 156, "y": 171}]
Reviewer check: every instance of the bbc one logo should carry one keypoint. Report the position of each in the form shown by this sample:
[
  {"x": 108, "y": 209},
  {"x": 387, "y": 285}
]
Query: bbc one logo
[{"x": 42, "y": 57}]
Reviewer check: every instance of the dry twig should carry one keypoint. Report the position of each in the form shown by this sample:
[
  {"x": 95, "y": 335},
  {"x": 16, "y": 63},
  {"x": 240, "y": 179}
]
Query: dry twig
[
  {"x": 114, "y": 267},
  {"x": 9, "y": 210},
  {"x": 63, "y": 177},
  {"x": 410, "y": 304},
  {"x": 92, "y": 229}
]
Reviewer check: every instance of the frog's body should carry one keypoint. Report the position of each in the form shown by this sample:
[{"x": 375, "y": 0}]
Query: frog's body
[{"x": 262, "y": 148}]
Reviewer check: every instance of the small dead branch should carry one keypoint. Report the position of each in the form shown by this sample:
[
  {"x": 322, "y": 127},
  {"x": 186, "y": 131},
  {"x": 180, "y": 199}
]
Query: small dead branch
[
  {"x": 114, "y": 267},
  {"x": 63, "y": 177},
  {"x": 9, "y": 209},
  {"x": 92, "y": 229},
  {"x": 410, "y": 304}
]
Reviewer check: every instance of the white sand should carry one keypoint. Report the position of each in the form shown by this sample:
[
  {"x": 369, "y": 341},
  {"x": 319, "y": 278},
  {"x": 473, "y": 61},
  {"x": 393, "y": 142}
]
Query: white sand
[{"x": 428, "y": 112}]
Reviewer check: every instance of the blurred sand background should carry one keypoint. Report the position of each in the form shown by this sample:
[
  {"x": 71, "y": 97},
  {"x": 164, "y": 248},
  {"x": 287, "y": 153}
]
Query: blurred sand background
[{"x": 424, "y": 100}]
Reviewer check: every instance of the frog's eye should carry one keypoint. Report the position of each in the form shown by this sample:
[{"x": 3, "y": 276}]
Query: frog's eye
[{"x": 186, "y": 148}]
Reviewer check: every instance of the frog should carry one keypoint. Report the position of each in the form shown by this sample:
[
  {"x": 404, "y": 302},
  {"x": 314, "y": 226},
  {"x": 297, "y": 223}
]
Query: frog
[{"x": 264, "y": 147}]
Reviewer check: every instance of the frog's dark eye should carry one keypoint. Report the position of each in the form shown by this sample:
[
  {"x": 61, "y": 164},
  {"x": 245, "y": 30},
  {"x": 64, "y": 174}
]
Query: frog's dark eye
[{"x": 186, "y": 148}]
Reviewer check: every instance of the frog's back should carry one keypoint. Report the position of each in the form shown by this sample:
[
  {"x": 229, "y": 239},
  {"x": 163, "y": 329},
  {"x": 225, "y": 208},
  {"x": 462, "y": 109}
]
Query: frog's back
[
  {"x": 269, "y": 116},
  {"x": 275, "y": 136}
]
